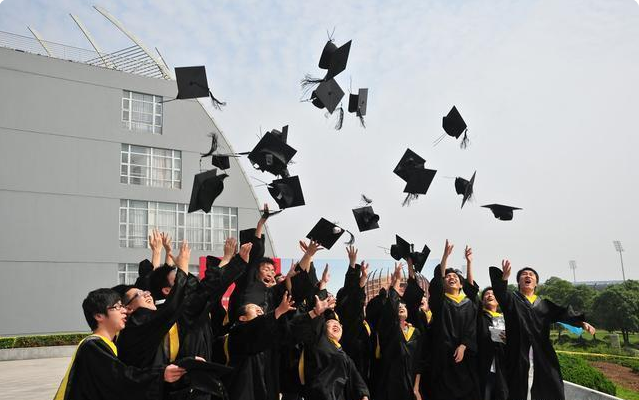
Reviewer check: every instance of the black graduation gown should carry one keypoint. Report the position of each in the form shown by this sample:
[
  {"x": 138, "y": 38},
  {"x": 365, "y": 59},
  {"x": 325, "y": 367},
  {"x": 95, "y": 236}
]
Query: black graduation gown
[
  {"x": 357, "y": 338},
  {"x": 399, "y": 363},
  {"x": 413, "y": 298},
  {"x": 329, "y": 373},
  {"x": 528, "y": 325},
  {"x": 452, "y": 324},
  {"x": 373, "y": 313},
  {"x": 487, "y": 352},
  {"x": 96, "y": 373}
]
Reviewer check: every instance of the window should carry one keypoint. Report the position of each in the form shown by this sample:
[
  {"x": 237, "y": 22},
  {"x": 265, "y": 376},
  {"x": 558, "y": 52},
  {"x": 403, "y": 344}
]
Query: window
[
  {"x": 148, "y": 166},
  {"x": 142, "y": 112},
  {"x": 127, "y": 273},
  {"x": 202, "y": 231}
]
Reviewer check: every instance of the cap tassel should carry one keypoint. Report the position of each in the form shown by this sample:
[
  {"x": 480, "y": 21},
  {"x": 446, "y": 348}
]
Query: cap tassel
[
  {"x": 409, "y": 197},
  {"x": 361, "y": 120},
  {"x": 465, "y": 141},
  {"x": 351, "y": 241},
  {"x": 340, "y": 119},
  {"x": 309, "y": 82},
  {"x": 213, "y": 145},
  {"x": 366, "y": 200},
  {"x": 216, "y": 103}
]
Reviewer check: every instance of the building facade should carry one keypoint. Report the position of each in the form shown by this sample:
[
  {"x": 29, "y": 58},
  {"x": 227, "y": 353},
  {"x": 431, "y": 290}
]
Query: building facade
[{"x": 93, "y": 158}]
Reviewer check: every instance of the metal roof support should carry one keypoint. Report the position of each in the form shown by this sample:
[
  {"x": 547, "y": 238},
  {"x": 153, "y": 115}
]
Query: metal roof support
[
  {"x": 40, "y": 40},
  {"x": 91, "y": 40}
]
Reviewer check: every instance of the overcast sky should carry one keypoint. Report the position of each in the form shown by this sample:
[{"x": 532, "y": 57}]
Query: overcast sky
[{"x": 549, "y": 90}]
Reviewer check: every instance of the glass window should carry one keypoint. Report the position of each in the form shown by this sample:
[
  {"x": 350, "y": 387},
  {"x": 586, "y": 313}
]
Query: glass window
[
  {"x": 142, "y": 112},
  {"x": 203, "y": 231},
  {"x": 127, "y": 273},
  {"x": 149, "y": 166}
]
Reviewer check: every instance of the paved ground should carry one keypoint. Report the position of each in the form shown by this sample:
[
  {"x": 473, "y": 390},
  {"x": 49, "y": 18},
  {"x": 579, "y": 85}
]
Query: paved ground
[{"x": 31, "y": 379}]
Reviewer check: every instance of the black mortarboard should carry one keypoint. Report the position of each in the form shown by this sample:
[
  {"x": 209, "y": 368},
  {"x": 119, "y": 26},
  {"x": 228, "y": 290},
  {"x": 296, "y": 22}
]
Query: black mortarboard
[
  {"x": 287, "y": 192},
  {"x": 204, "y": 375},
  {"x": 206, "y": 187},
  {"x": 409, "y": 162},
  {"x": 247, "y": 235},
  {"x": 282, "y": 135},
  {"x": 501, "y": 212},
  {"x": 401, "y": 248},
  {"x": 222, "y": 162},
  {"x": 465, "y": 188},
  {"x": 327, "y": 95},
  {"x": 192, "y": 84},
  {"x": 212, "y": 262},
  {"x": 419, "y": 258},
  {"x": 327, "y": 54},
  {"x": 338, "y": 60},
  {"x": 454, "y": 125},
  {"x": 327, "y": 233},
  {"x": 366, "y": 218},
  {"x": 419, "y": 181},
  {"x": 357, "y": 102},
  {"x": 271, "y": 154}
]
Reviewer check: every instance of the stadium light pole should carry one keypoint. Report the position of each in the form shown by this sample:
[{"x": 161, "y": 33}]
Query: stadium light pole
[
  {"x": 573, "y": 267},
  {"x": 620, "y": 249}
]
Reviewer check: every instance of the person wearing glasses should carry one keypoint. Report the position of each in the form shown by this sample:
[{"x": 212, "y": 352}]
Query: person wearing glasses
[{"x": 95, "y": 371}]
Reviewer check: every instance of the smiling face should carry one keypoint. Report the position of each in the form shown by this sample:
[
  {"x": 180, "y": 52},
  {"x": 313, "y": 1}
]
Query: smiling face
[
  {"x": 488, "y": 300},
  {"x": 402, "y": 312},
  {"x": 527, "y": 281},
  {"x": 251, "y": 311},
  {"x": 334, "y": 330},
  {"x": 452, "y": 284},
  {"x": 136, "y": 298},
  {"x": 266, "y": 273}
]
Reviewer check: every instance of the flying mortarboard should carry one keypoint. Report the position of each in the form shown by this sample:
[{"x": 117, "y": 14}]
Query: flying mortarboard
[
  {"x": 501, "y": 212},
  {"x": 207, "y": 186},
  {"x": 287, "y": 192},
  {"x": 327, "y": 233},
  {"x": 271, "y": 154},
  {"x": 418, "y": 183},
  {"x": 366, "y": 218},
  {"x": 357, "y": 104},
  {"x": 327, "y": 95},
  {"x": 192, "y": 84},
  {"x": 454, "y": 125},
  {"x": 465, "y": 188},
  {"x": 419, "y": 258},
  {"x": 409, "y": 163},
  {"x": 401, "y": 249}
]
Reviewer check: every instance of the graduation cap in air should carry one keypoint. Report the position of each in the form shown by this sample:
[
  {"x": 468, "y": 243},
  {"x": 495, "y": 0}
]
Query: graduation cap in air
[
  {"x": 287, "y": 192},
  {"x": 366, "y": 218},
  {"x": 327, "y": 95},
  {"x": 418, "y": 183},
  {"x": 272, "y": 155},
  {"x": 333, "y": 59},
  {"x": 204, "y": 375},
  {"x": 501, "y": 212},
  {"x": 465, "y": 188},
  {"x": 401, "y": 249},
  {"x": 192, "y": 84},
  {"x": 207, "y": 186},
  {"x": 357, "y": 104},
  {"x": 454, "y": 125},
  {"x": 409, "y": 163},
  {"x": 419, "y": 258},
  {"x": 282, "y": 135},
  {"x": 222, "y": 161},
  {"x": 327, "y": 233}
]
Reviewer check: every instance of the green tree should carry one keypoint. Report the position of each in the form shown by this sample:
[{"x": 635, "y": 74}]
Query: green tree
[
  {"x": 556, "y": 290},
  {"x": 616, "y": 308}
]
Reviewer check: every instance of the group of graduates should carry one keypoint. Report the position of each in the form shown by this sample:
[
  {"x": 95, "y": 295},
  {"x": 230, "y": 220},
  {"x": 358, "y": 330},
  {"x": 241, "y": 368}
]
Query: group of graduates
[{"x": 168, "y": 336}]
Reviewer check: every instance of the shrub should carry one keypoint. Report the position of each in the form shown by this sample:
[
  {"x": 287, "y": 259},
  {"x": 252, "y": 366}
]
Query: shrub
[
  {"x": 577, "y": 370},
  {"x": 41, "y": 340}
]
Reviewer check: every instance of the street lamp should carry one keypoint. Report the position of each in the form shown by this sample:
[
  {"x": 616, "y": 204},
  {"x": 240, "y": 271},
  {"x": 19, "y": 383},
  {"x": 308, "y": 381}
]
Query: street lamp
[
  {"x": 573, "y": 267},
  {"x": 620, "y": 249}
]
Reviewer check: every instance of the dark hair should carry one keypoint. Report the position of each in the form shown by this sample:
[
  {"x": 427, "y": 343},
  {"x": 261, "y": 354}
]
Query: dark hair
[
  {"x": 158, "y": 280},
  {"x": 122, "y": 289},
  {"x": 483, "y": 292},
  {"x": 454, "y": 271},
  {"x": 266, "y": 260},
  {"x": 97, "y": 302},
  {"x": 527, "y": 269}
]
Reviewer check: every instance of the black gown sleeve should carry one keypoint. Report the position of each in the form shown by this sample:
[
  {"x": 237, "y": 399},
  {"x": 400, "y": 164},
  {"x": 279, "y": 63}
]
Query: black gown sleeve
[
  {"x": 436, "y": 292},
  {"x": 357, "y": 385},
  {"x": 254, "y": 336},
  {"x": 566, "y": 315},
  {"x": 500, "y": 289}
]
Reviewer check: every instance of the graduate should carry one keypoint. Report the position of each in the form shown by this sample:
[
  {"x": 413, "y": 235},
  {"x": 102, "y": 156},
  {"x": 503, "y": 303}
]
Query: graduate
[
  {"x": 400, "y": 348},
  {"x": 532, "y": 365},
  {"x": 357, "y": 339},
  {"x": 326, "y": 371},
  {"x": 453, "y": 331},
  {"x": 491, "y": 343},
  {"x": 249, "y": 348},
  {"x": 95, "y": 372}
]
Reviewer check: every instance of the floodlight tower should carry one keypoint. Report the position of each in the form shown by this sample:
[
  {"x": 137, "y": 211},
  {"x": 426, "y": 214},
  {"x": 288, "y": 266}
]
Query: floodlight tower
[
  {"x": 620, "y": 249},
  {"x": 573, "y": 267}
]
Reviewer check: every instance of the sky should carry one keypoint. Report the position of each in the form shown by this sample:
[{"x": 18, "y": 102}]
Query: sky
[{"x": 548, "y": 89}]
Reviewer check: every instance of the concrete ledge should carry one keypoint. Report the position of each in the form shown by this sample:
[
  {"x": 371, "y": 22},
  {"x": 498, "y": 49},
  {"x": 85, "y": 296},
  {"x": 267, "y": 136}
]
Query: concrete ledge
[
  {"x": 574, "y": 391},
  {"x": 28, "y": 353}
]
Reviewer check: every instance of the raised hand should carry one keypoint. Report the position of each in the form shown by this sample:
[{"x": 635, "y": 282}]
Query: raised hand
[
  {"x": 245, "y": 251},
  {"x": 589, "y": 328},
  {"x": 265, "y": 214},
  {"x": 397, "y": 275},
  {"x": 364, "y": 274},
  {"x": 167, "y": 242},
  {"x": 155, "y": 240},
  {"x": 285, "y": 306},
  {"x": 326, "y": 276},
  {"x": 182, "y": 260},
  {"x": 323, "y": 305},
  {"x": 312, "y": 248},
  {"x": 505, "y": 267},
  {"x": 352, "y": 255},
  {"x": 230, "y": 248},
  {"x": 448, "y": 250},
  {"x": 468, "y": 253}
]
